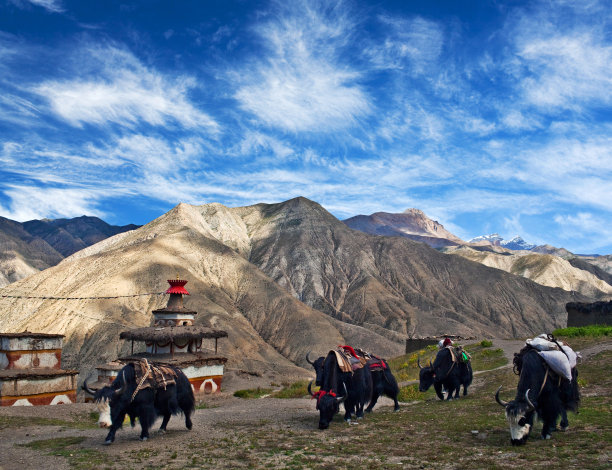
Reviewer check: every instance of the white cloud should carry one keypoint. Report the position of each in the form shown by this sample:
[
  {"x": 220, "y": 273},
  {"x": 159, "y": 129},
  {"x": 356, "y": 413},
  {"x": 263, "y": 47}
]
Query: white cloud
[
  {"x": 111, "y": 85},
  {"x": 29, "y": 202},
  {"x": 151, "y": 154},
  {"x": 516, "y": 120},
  {"x": 256, "y": 143},
  {"x": 301, "y": 85},
  {"x": 566, "y": 71},
  {"x": 415, "y": 42},
  {"x": 54, "y": 6},
  {"x": 562, "y": 55},
  {"x": 585, "y": 228}
]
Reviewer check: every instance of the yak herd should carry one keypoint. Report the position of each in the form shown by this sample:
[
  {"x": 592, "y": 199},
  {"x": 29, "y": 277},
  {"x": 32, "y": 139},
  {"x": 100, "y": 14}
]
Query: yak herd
[{"x": 354, "y": 378}]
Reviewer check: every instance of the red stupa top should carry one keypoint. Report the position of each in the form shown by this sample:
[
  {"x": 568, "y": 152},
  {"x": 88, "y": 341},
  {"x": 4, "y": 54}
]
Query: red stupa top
[{"x": 177, "y": 287}]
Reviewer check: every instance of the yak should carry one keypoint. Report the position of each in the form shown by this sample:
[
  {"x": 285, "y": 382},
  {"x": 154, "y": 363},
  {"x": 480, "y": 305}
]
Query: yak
[
  {"x": 125, "y": 398},
  {"x": 383, "y": 380},
  {"x": 445, "y": 373},
  {"x": 351, "y": 388},
  {"x": 539, "y": 391}
]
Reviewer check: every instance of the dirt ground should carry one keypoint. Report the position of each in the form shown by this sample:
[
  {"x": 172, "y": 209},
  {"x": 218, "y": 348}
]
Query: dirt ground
[{"x": 222, "y": 410}]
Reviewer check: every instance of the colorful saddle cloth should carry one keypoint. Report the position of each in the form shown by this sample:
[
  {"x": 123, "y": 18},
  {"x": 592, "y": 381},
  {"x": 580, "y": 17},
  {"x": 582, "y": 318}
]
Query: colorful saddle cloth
[{"x": 154, "y": 376}]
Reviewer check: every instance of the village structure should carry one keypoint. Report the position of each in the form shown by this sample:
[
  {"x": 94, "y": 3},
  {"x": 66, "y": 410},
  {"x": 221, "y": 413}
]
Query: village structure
[
  {"x": 31, "y": 373},
  {"x": 174, "y": 340},
  {"x": 30, "y": 363}
]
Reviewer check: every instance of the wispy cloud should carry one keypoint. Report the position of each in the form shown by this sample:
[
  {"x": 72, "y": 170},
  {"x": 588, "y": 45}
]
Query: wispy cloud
[
  {"x": 54, "y": 6},
  {"x": 300, "y": 84},
  {"x": 411, "y": 43},
  {"x": 562, "y": 62},
  {"x": 34, "y": 202},
  {"x": 110, "y": 85}
]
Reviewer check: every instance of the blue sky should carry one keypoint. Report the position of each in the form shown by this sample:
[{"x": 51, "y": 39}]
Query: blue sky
[{"x": 490, "y": 116}]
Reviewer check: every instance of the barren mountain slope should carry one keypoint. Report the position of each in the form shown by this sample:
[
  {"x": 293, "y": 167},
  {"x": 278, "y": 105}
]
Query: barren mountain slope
[
  {"x": 21, "y": 254},
  {"x": 393, "y": 283},
  {"x": 29, "y": 247},
  {"x": 68, "y": 236},
  {"x": 412, "y": 223},
  {"x": 548, "y": 270},
  {"x": 602, "y": 262},
  {"x": 267, "y": 327}
]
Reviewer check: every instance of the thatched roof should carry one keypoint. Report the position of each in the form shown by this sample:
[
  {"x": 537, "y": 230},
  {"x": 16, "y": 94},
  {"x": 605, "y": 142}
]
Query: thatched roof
[
  {"x": 11, "y": 374},
  {"x": 180, "y": 359},
  {"x": 29, "y": 334},
  {"x": 169, "y": 333}
]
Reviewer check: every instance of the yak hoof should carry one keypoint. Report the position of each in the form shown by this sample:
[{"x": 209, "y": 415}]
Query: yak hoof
[
  {"x": 144, "y": 438},
  {"x": 108, "y": 442},
  {"x": 397, "y": 408},
  {"x": 563, "y": 428},
  {"x": 546, "y": 437},
  {"x": 161, "y": 431}
]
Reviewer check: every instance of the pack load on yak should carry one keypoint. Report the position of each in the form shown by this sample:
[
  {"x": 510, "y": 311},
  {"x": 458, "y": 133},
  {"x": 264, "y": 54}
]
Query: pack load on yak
[
  {"x": 559, "y": 356},
  {"x": 383, "y": 380},
  {"x": 343, "y": 379},
  {"x": 145, "y": 391},
  {"x": 548, "y": 387},
  {"x": 450, "y": 370}
]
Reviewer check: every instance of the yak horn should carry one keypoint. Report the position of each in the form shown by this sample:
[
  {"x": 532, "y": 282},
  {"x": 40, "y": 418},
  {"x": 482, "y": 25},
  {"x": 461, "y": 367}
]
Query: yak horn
[
  {"x": 419, "y": 362},
  {"x": 342, "y": 398},
  {"x": 529, "y": 401},
  {"x": 123, "y": 385},
  {"x": 87, "y": 389},
  {"x": 308, "y": 359},
  {"x": 309, "y": 389},
  {"x": 499, "y": 400}
]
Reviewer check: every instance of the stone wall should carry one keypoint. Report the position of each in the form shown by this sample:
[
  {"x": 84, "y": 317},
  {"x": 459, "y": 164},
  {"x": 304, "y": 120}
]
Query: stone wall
[{"x": 583, "y": 314}]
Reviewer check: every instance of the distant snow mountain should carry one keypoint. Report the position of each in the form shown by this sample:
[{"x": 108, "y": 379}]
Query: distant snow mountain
[{"x": 517, "y": 243}]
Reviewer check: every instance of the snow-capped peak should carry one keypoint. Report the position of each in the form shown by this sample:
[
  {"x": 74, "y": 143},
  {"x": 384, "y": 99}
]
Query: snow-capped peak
[{"x": 517, "y": 243}]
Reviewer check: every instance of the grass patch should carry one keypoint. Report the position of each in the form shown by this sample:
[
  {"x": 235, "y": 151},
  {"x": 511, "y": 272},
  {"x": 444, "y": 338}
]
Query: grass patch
[
  {"x": 579, "y": 331},
  {"x": 253, "y": 392},
  {"x": 485, "y": 357},
  {"x": 83, "y": 421},
  {"x": 411, "y": 393},
  {"x": 295, "y": 390},
  {"x": 69, "y": 448},
  {"x": 405, "y": 367}
]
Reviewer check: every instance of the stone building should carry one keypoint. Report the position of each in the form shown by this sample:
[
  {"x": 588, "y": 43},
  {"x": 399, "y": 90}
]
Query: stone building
[{"x": 31, "y": 373}]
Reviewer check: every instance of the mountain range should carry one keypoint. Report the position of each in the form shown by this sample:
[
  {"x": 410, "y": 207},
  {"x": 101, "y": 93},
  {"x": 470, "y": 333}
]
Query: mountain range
[
  {"x": 282, "y": 279},
  {"x": 544, "y": 264},
  {"x": 29, "y": 247}
]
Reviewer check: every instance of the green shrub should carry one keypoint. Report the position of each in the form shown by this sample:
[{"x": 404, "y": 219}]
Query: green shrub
[
  {"x": 485, "y": 343},
  {"x": 410, "y": 393},
  {"x": 590, "y": 330},
  {"x": 252, "y": 392},
  {"x": 294, "y": 390}
]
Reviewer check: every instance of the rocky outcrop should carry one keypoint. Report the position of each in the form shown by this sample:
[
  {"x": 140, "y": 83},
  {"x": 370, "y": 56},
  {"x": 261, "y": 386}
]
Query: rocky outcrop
[{"x": 412, "y": 223}]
